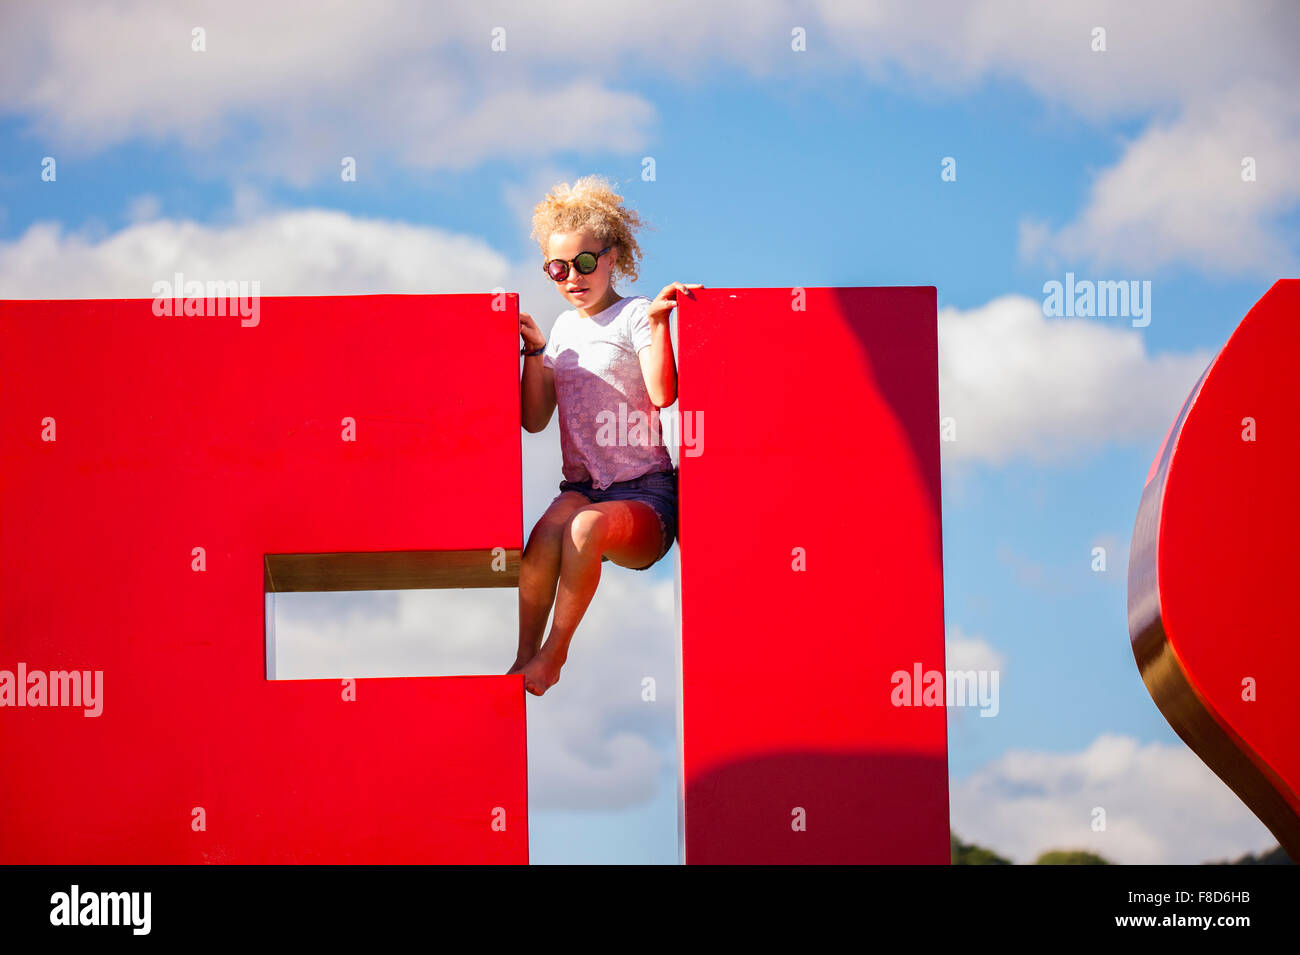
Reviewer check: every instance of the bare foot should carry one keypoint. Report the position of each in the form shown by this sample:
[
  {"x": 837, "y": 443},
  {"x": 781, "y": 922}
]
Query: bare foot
[
  {"x": 542, "y": 672},
  {"x": 519, "y": 664}
]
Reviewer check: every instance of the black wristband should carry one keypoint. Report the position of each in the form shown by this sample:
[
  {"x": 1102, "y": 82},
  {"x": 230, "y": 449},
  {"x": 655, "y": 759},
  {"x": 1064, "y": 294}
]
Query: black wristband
[{"x": 536, "y": 351}]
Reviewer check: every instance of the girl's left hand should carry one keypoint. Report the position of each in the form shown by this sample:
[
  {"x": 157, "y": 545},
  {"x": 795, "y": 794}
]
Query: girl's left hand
[{"x": 666, "y": 301}]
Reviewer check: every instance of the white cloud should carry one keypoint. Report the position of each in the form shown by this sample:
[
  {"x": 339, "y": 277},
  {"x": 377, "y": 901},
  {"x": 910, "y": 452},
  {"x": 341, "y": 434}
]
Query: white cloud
[
  {"x": 1177, "y": 194},
  {"x": 1162, "y": 805},
  {"x": 532, "y": 123},
  {"x": 965, "y": 652},
  {"x": 300, "y": 86},
  {"x": 1157, "y": 56},
  {"x": 290, "y": 252},
  {"x": 1019, "y": 384},
  {"x": 1215, "y": 83},
  {"x": 303, "y": 252},
  {"x": 106, "y": 73},
  {"x": 286, "y": 90},
  {"x": 1215, "y": 80}
]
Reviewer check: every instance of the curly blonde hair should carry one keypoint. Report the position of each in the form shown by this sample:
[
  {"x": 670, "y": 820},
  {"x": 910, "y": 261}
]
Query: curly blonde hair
[{"x": 591, "y": 205}]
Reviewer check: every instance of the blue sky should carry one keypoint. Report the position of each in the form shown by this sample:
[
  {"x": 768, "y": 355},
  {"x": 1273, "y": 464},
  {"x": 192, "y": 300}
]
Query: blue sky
[{"x": 772, "y": 168}]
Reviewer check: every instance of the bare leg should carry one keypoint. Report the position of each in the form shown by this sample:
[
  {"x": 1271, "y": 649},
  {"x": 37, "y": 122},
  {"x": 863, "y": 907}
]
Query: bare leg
[
  {"x": 539, "y": 572},
  {"x": 628, "y": 531}
]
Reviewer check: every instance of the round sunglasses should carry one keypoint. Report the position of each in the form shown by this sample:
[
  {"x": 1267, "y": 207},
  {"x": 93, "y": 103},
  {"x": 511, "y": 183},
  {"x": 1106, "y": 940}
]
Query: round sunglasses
[{"x": 584, "y": 262}]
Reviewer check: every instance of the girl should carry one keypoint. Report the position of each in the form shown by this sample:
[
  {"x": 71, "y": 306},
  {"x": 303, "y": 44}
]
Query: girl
[{"x": 618, "y": 499}]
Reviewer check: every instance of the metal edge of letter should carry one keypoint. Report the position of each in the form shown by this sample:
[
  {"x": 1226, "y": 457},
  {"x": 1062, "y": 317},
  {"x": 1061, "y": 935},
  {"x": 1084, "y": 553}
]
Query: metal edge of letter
[{"x": 1193, "y": 717}]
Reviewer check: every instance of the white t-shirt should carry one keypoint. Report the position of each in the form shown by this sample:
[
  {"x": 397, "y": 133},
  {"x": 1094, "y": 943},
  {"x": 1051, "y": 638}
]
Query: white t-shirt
[{"x": 609, "y": 428}]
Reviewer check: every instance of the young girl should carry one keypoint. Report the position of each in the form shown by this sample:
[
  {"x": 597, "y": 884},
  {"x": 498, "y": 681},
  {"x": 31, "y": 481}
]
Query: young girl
[{"x": 618, "y": 499}]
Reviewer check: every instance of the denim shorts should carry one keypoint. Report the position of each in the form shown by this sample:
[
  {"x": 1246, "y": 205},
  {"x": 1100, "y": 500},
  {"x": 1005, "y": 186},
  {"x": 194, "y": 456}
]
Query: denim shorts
[{"x": 657, "y": 488}]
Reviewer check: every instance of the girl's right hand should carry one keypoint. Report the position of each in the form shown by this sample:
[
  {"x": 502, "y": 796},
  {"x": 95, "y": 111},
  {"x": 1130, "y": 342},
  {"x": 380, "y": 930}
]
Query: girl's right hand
[{"x": 530, "y": 333}]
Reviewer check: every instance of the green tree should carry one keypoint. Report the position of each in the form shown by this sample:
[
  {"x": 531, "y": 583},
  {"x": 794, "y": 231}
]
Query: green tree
[
  {"x": 1070, "y": 857},
  {"x": 1275, "y": 856},
  {"x": 965, "y": 853}
]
